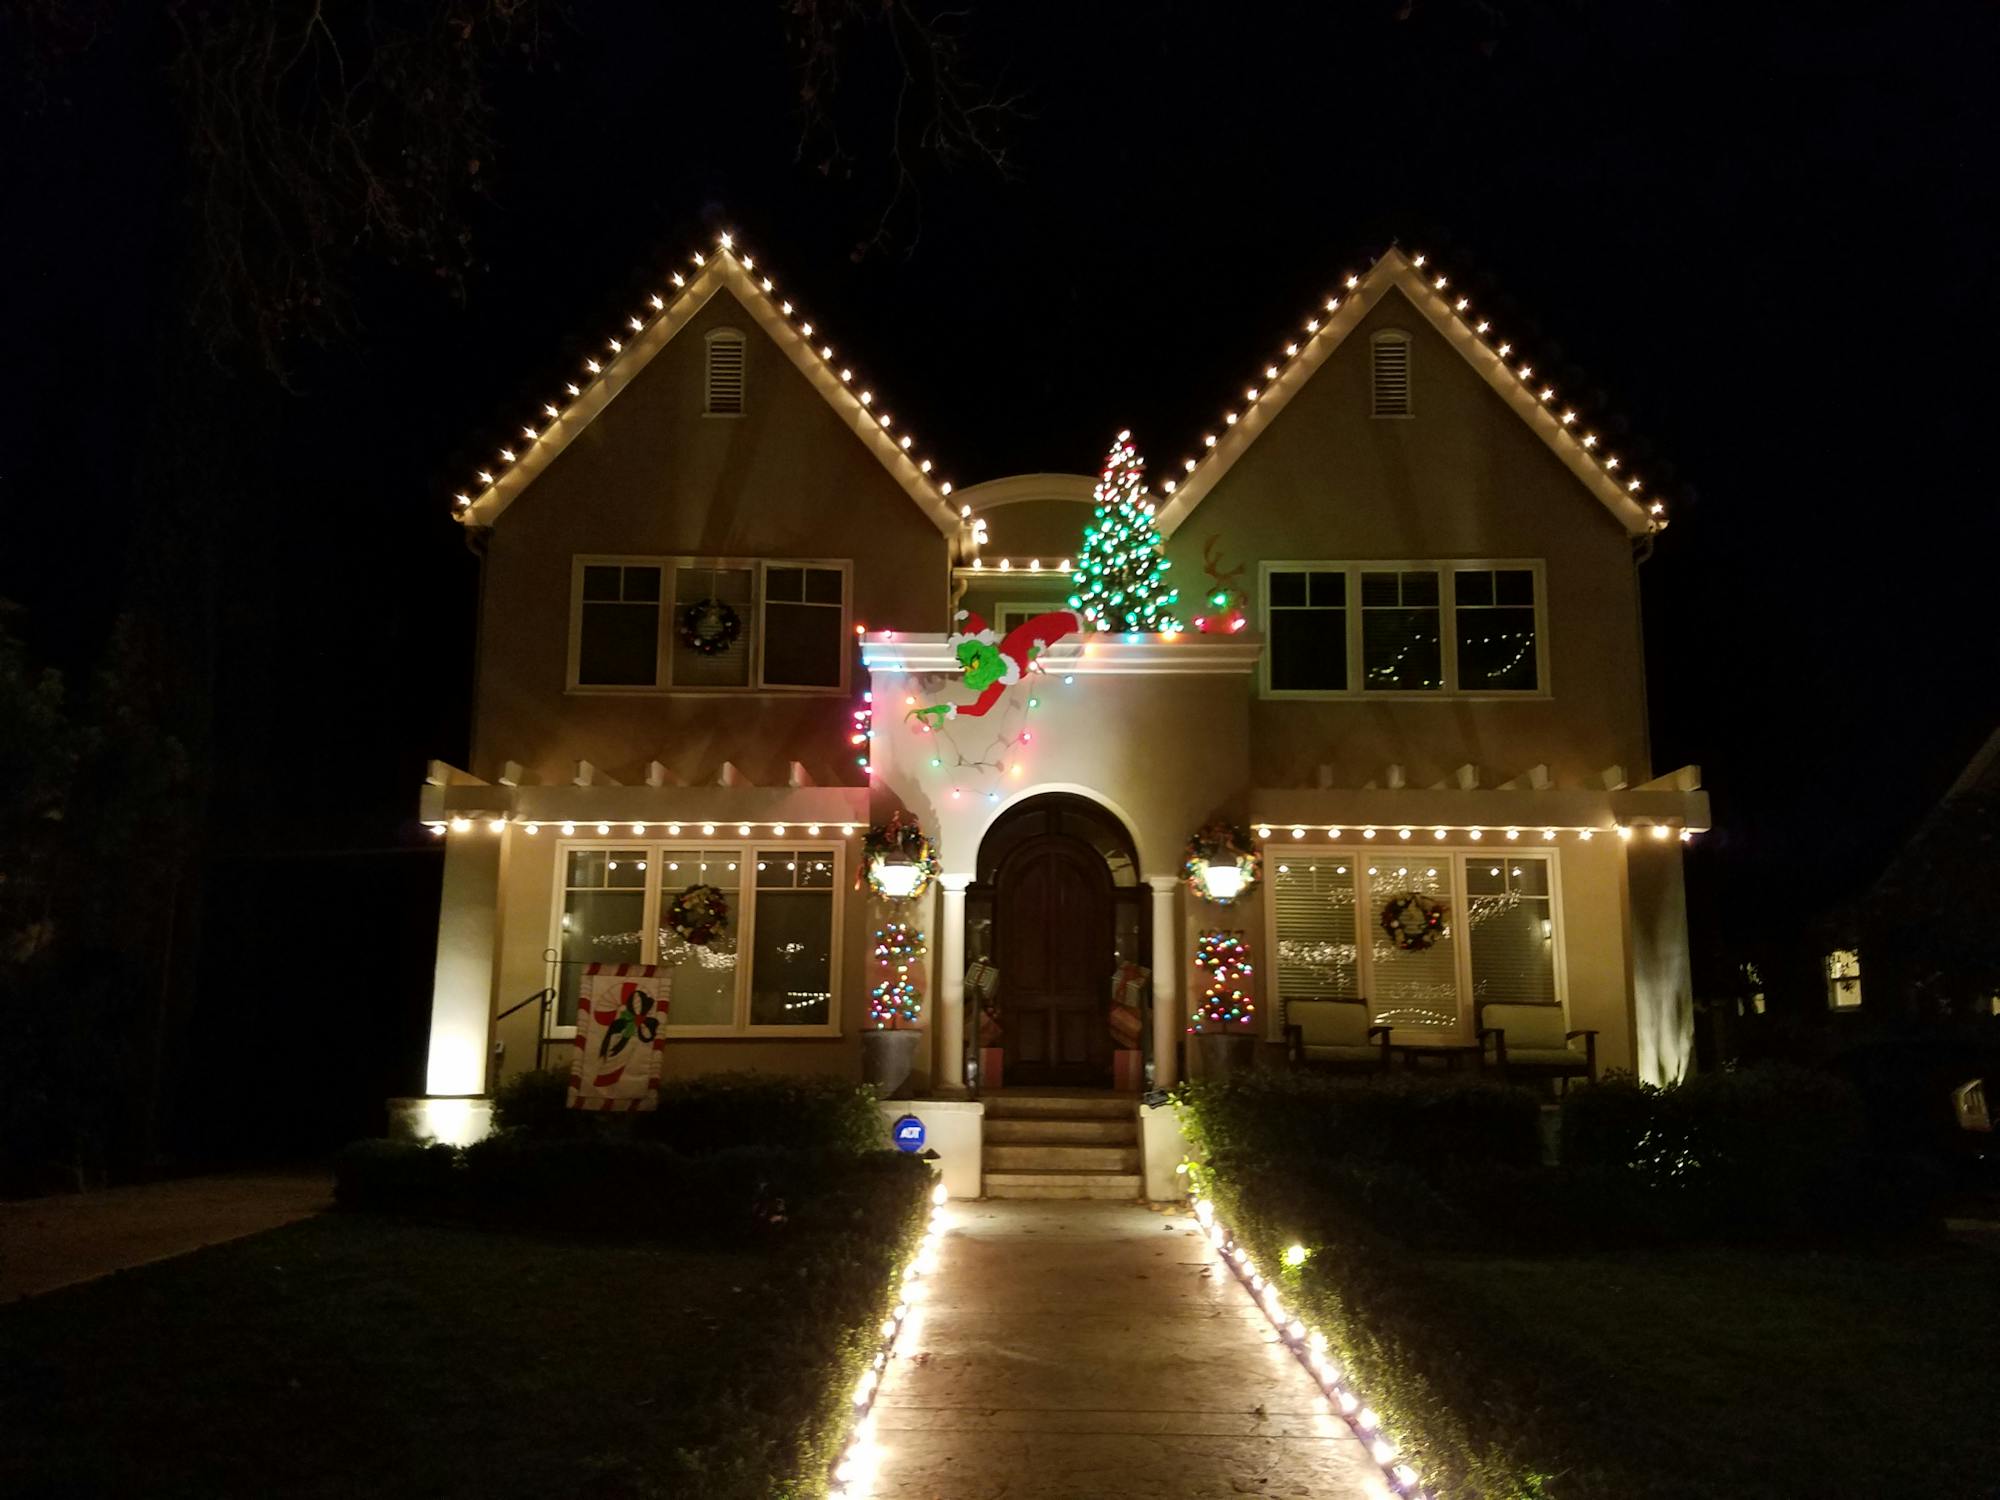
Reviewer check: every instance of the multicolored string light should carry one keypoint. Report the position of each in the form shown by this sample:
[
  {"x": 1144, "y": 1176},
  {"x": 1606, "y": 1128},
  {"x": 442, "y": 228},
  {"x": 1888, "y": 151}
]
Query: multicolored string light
[{"x": 1225, "y": 958}]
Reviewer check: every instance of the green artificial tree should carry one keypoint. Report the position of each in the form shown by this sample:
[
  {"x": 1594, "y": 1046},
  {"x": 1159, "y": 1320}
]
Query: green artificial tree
[{"x": 1121, "y": 573}]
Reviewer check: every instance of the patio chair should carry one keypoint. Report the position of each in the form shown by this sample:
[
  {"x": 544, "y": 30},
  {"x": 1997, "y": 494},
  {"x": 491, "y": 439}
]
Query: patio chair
[
  {"x": 1334, "y": 1034},
  {"x": 1528, "y": 1041}
]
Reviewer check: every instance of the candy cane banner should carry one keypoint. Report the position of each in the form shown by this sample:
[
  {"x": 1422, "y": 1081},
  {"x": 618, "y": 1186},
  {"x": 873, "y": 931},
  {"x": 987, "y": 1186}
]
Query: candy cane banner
[{"x": 621, "y": 1017}]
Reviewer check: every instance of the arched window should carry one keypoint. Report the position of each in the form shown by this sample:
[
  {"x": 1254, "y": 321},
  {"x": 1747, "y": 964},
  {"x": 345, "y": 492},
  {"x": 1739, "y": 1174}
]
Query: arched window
[
  {"x": 1391, "y": 387},
  {"x": 725, "y": 373}
]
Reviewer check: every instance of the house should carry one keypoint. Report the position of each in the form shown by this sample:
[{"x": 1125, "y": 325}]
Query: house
[{"x": 719, "y": 536}]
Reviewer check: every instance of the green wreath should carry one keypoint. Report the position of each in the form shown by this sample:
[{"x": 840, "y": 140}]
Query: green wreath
[
  {"x": 901, "y": 840},
  {"x": 698, "y": 914},
  {"x": 710, "y": 626},
  {"x": 1222, "y": 843},
  {"x": 1414, "y": 921}
]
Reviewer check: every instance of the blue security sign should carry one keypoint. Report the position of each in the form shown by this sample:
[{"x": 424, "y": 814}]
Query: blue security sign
[{"x": 908, "y": 1133}]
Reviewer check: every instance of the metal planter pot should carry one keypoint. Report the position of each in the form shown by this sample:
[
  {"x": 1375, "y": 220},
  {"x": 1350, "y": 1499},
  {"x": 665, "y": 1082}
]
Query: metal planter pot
[
  {"x": 886, "y": 1057},
  {"x": 1226, "y": 1053}
]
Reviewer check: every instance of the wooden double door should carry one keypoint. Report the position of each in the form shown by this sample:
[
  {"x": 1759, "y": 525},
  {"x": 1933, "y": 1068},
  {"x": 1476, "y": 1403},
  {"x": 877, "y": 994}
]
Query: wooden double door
[{"x": 1054, "y": 941}]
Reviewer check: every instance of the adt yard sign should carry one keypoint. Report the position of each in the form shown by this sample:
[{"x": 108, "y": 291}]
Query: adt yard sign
[{"x": 908, "y": 1133}]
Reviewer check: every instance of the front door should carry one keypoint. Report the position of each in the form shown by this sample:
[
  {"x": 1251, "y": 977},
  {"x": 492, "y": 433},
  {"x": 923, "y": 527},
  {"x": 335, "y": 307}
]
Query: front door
[{"x": 1054, "y": 945}]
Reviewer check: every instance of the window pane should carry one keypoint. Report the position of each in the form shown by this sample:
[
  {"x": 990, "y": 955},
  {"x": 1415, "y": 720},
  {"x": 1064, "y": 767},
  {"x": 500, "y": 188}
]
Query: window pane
[
  {"x": 1329, "y": 590},
  {"x": 785, "y": 583},
  {"x": 600, "y": 583},
  {"x": 815, "y": 869},
  {"x": 704, "y": 974},
  {"x": 1420, "y": 588},
  {"x": 729, "y": 666},
  {"x": 598, "y": 926},
  {"x": 1288, "y": 589},
  {"x": 802, "y": 645},
  {"x": 642, "y": 585},
  {"x": 620, "y": 645},
  {"x": 1472, "y": 586},
  {"x": 823, "y": 586},
  {"x": 1496, "y": 643},
  {"x": 791, "y": 972},
  {"x": 1317, "y": 954},
  {"x": 1511, "y": 931},
  {"x": 625, "y": 869},
  {"x": 1399, "y": 650},
  {"x": 777, "y": 869},
  {"x": 1414, "y": 990},
  {"x": 1380, "y": 589},
  {"x": 1309, "y": 650}
]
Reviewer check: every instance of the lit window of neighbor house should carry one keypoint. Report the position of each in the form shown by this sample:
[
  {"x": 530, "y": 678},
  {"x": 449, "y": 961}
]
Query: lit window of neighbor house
[{"x": 1843, "y": 979}]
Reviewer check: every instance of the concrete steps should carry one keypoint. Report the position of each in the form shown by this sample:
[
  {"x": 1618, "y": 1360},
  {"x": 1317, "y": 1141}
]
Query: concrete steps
[{"x": 1061, "y": 1145}]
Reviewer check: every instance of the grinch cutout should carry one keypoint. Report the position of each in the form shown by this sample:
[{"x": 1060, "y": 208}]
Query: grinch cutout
[{"x": 993, "y": 663}]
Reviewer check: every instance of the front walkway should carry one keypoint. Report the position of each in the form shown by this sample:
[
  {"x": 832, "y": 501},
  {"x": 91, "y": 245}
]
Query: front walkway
[
  {"x": 46, "y": 1243},
  {"x": 1084, "y": 1351}
]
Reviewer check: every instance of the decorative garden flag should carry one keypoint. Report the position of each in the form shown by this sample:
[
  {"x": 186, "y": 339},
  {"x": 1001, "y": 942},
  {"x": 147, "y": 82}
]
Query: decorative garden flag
[{"x": 621, "y": 1016}]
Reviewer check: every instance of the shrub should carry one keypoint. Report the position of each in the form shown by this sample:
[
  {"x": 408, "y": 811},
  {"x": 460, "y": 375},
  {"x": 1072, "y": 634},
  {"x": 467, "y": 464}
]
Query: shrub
[
  {"x": 537, "y": 1103},
  {"x": 721, "y": 1111},
  {"x": 396, "y": 1176},
  {"x": 1425, "y": 1126}
]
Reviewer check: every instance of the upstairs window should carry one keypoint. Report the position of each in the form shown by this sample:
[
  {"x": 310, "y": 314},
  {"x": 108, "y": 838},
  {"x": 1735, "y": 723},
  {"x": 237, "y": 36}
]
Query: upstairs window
[
  {"x": 1308, "y": 631},
  {"x": 1495, "y": 613},
  {"x": 1843, "y": 979},
  {"x": 655, "y": 624},
  {"x": 1391, "y": 369},
  {"x": 1335, "y": 629},
  {"x": 725, "y": 373},
  {"x": 618, "y": 640},
  {"x": 1400, "y": 632}
]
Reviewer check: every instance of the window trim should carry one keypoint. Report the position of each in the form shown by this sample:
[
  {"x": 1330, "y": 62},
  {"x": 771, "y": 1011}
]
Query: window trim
[
  {"x": 1376, "y": 341},
  {"x": 710, "y": 340},
  {"x": 1357, "y": 859},
  {"x": 1447, "y": 570},
  {"x": 746, "y": 930},
  {"x": 663, "y": 682}
]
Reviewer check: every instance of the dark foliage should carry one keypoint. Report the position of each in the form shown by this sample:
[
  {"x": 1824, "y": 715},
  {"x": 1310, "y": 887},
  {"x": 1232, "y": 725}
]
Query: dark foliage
[{"x": 713, "y": 1112}]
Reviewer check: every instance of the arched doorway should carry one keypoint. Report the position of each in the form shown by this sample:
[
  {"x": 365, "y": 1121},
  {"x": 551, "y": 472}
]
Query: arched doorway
[{"x": 1056, "y": 906}]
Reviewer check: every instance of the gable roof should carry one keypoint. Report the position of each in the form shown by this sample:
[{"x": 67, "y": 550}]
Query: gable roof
[
  {"x": 1494, "y": 358},
  {"x": 603, "y": 376}
]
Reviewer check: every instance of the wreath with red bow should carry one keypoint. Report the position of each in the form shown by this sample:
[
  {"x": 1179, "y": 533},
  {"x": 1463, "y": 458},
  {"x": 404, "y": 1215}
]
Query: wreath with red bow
[
  {"x": 698, "y": 914},
  {"x": 1414, "y": 921}
]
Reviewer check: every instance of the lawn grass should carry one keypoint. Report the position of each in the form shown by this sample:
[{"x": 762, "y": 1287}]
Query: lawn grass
[
  {"x": 1756, "y": 1374},
  {"x": 354, "y": 1355}
]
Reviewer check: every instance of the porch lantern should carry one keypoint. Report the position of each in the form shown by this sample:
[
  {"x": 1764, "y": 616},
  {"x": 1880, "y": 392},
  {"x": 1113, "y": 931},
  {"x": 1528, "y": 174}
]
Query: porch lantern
[
  {"x": 1223, "y": 864},
  {"x": 897, "y": 861}
]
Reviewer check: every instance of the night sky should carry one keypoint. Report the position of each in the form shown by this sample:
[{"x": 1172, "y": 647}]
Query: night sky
[{"x": 1752, "y": 243}]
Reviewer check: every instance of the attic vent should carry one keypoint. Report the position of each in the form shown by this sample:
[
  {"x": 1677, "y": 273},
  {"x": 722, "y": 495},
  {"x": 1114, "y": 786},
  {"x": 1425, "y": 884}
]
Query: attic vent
[
  {"x": 1392, "y": 374},
  {"x": 725, "y": 373}
]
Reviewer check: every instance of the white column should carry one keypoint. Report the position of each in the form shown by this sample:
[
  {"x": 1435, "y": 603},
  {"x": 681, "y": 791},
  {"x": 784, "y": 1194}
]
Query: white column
[
  {"x": 462, "y": 991},
  {"x": 949, "y": 1074},
  {"x": 1166, "y": 981}
]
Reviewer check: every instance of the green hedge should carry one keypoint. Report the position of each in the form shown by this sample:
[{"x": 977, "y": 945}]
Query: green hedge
[{"x": 713, "y": 1112}]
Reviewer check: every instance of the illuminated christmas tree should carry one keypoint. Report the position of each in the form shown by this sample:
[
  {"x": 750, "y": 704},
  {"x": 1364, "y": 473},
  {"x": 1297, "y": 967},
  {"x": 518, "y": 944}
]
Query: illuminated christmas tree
[{"x": 1121, "y": 574}]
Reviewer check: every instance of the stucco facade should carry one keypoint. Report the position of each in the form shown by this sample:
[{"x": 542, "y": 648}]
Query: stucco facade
[{"x": 1159, "y": 734}]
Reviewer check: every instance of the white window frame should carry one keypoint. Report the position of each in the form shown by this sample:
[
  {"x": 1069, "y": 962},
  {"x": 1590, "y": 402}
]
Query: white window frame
[
  {"x": 746, "y": 927},
  {"x": 720, "y": 336},
  {"x": 670, "y": 607},
  {"x": 1358, "y": 858},
  {"x": 1446, "y": 569}
]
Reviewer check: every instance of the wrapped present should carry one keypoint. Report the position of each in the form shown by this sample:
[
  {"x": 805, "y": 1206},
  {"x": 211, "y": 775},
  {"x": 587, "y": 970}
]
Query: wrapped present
[
  {"x": 1128, "y": 1070},
  {"x": 621, "y": 1017},
  {"x": 992, "y": 1069},
  {"x": 990, "y": 1030},
  {"x": 1128, "y": 988}
]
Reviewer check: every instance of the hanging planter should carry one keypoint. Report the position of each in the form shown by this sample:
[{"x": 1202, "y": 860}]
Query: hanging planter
[
  {"x": 1223, "y": 864},
  {"x": 897, "y": 861}
]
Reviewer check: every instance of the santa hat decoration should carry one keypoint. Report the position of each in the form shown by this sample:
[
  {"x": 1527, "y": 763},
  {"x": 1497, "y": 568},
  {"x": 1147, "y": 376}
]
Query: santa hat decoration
[{"x": 969, "y": 625}]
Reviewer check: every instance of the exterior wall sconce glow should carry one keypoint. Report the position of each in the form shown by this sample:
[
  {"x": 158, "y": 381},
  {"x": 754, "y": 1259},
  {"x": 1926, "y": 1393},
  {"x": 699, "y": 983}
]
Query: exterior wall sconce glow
[{"x": 1225, "y": 880}]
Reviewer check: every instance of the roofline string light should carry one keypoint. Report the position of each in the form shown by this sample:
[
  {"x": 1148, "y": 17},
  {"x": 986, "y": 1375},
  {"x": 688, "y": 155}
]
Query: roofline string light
[
  {"x": 647, "y": 828},
  {"x": 1459, "y": 307},
  {"x": 656, "y": 307},
  {"x": 1342, "y": 832}
]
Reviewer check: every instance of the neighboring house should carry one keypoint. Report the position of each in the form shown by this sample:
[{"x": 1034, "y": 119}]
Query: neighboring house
[
  {"x": 1440, "y": 690},
  {"x": 1929, "y": 928}
]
